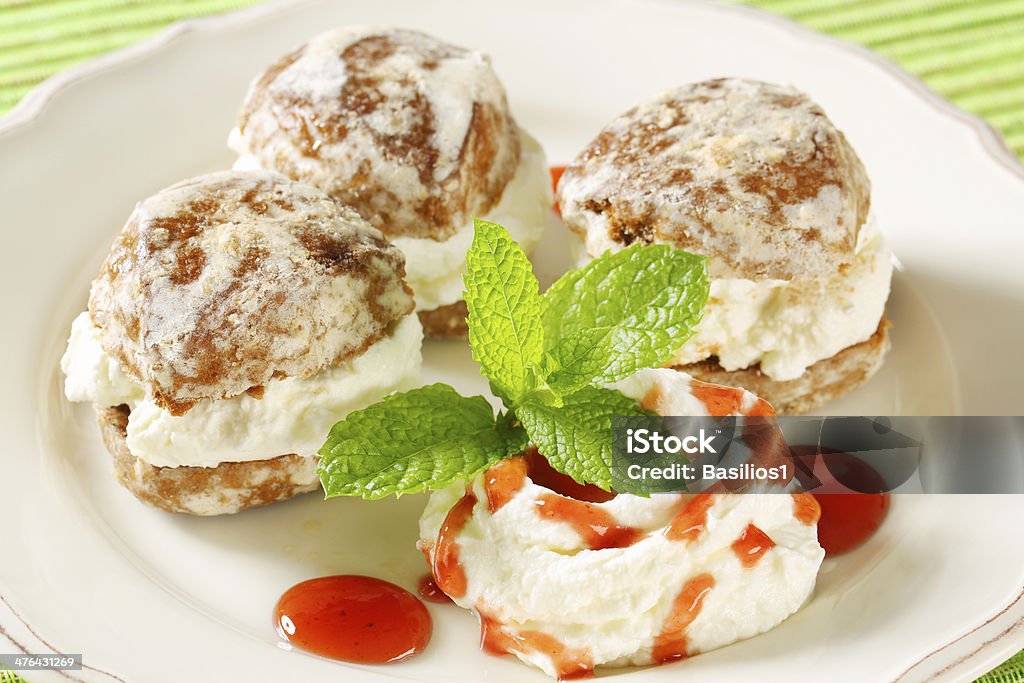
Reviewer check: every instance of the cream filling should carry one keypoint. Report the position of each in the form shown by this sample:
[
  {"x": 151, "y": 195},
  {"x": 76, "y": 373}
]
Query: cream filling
[
  {"x": 434, "y": 269},
  {"x": 294, "y": 415},
  {"x": 787, "y": 326}
]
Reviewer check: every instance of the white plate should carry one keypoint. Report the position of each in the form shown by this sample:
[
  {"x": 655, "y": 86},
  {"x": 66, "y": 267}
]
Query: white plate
[{"x": 148, "y": 596}]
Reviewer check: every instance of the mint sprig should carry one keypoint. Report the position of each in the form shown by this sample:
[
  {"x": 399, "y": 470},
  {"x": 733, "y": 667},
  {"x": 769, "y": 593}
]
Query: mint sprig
[
  {"x": 624, "y": 312},
  {"x": 549, "y": 358},
  {"x": 502, "y": 291},
  {"x": 576, "y": 437},
  {"x": 427, "y": 438}
]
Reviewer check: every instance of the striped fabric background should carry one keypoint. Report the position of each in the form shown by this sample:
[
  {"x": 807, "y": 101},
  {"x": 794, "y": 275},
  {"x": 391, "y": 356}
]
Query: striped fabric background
[
  {"x": 971, "y": 51},
  {"x": 41, "y": 37}
]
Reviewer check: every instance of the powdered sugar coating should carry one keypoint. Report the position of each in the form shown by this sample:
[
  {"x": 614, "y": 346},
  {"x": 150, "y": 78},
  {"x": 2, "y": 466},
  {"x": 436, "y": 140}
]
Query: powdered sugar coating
[
  {"x": 751, "y": 174},
  {"x": 222, "y": 282},
  {"x": 412, "y": 132}
]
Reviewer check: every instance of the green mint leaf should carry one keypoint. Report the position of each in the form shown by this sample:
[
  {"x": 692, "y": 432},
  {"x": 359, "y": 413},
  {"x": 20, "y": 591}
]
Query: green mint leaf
[
  {"x": 505, "y": 331},
  {"x": 427, "y": 438},
  {"x": 577, "y": 437},
  {"x": 622, "y": 312}
]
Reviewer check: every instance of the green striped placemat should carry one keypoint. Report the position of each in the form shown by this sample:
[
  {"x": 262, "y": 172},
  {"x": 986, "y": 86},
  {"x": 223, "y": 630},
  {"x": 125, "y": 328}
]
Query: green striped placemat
[
  {"x": 41, "y": 37},
  {"x": 971, "y": 51}
]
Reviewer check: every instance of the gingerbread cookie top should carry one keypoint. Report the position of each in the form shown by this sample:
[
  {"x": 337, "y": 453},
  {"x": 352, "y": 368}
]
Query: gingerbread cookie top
[
  {"x": 223, "y": 282},
  {"x": 751, "y": 174},
  {"x": 412, "y": 132}
]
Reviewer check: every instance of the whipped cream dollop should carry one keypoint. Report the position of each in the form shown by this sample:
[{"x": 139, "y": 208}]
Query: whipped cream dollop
[
  {"x": 292, "y": 415},
  {"x": 787, "y": 325},
  {"x": 434, "y": 268},
  {"x": 568, "y": 585},
  {"x": 744, "y": 564}
]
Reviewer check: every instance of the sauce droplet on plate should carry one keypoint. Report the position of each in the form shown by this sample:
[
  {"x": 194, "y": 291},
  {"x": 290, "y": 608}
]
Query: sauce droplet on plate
[
  {"x": 429, "y": 591},
  {"x": 848, "y": 517},
  {"x": 353, "y": 618}
]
